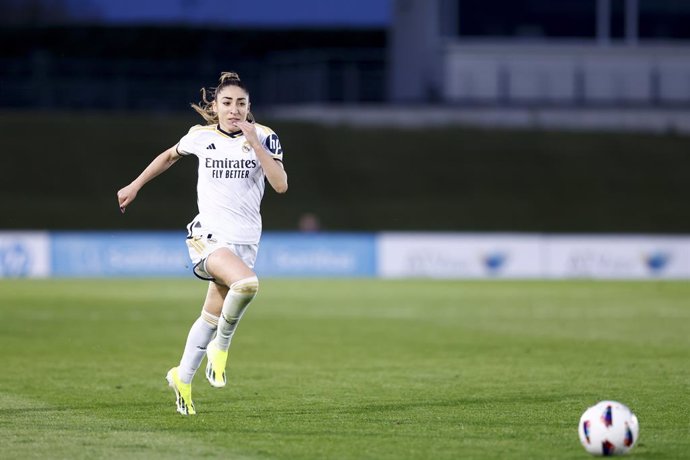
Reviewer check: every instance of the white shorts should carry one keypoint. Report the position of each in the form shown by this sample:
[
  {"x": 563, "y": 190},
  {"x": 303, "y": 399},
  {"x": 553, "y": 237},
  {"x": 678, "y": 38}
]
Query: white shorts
[{"x": 201, "y": 246}]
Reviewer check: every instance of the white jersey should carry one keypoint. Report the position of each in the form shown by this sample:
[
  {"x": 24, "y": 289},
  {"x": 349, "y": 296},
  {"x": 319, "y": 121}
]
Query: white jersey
[{"x": 230, "y": 182}]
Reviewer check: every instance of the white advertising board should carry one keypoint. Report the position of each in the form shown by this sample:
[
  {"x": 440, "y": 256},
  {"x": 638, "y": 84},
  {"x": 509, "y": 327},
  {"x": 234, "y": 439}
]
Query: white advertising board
[
  {"x": 616, "y": 256},
  {"x": 458, "y": 255},
  {"x": 505, "y": 255},
  {"x": 24, "y": 254}
]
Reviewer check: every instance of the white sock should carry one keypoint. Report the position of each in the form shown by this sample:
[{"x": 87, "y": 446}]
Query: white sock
[
  {"x": 240, "y": 294},
  {"x": 199, "y": 336}
]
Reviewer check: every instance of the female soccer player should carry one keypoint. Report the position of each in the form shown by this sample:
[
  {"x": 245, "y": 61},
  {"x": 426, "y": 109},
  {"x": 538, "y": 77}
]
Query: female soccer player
[{"x": 236, "y": 156}]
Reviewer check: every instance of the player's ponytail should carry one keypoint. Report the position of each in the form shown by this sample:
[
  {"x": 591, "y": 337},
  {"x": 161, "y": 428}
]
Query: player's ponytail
[{"x": 205, "y": 106}]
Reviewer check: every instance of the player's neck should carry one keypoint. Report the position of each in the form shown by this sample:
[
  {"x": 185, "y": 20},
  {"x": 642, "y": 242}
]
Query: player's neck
[{"x": 235, "y": 133}]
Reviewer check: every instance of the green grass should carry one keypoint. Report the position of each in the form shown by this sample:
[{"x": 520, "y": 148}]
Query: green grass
[{"x": 344, "y": 369}]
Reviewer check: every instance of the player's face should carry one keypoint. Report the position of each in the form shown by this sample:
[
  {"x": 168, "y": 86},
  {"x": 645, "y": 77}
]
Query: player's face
[{"x": 231, "y": 105}]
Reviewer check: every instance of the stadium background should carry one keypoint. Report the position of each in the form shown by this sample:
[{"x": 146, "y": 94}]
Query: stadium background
[{"x": 381, "y": 133}]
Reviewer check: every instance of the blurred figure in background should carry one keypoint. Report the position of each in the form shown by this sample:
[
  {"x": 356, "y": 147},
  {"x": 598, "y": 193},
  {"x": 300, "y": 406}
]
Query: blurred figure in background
[
  {"x": 309, "y": 223},
  {"x": 236, "y": 157}
]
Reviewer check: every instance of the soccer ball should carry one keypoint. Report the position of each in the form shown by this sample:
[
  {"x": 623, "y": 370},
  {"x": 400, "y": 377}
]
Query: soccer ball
[{"x": 608, "y": 428}]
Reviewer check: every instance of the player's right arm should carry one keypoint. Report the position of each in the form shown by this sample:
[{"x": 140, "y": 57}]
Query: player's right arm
[{"x": 159, "y": 165}]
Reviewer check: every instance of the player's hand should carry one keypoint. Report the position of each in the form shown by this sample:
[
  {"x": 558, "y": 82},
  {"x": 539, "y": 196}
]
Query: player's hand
[
  {"x": 249, "y": 131},
  {"x": 125, "y": 196}
]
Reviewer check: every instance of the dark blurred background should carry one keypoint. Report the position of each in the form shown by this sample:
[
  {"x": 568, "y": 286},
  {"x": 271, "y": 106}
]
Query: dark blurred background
[{"x": 462, "y": 115}]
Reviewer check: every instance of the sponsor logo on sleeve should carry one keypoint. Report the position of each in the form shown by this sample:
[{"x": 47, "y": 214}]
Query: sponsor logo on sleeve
[{"x": 272, "y": 143}]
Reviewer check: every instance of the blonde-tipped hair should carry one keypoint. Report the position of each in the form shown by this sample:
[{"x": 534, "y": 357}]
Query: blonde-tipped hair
[{"x": 205, "y": 106}]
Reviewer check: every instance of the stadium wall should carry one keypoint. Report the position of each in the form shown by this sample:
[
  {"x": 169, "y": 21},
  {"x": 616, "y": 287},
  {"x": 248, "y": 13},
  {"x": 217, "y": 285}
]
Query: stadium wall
[{"x": 383, "y": 255}]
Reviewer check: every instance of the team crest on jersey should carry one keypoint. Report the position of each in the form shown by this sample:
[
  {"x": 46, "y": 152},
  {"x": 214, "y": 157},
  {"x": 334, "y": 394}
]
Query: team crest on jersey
[{"x": 246, "y": 148}]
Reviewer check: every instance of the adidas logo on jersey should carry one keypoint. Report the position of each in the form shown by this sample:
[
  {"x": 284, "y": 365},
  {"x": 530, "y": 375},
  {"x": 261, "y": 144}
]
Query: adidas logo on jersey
[{"x": 211, "y": 146}]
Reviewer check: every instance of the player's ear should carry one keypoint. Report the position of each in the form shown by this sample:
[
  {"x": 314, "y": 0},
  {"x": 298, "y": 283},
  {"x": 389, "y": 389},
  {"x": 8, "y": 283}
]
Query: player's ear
[{"x": 214, "y": 107}]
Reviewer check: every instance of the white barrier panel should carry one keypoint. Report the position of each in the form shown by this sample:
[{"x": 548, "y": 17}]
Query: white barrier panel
[
  {"x": 517, "y": 256},
  {"x": 456, "y": 255},
  {"x": 617, "y": 257},
  {"x": 24, "y": 254}
]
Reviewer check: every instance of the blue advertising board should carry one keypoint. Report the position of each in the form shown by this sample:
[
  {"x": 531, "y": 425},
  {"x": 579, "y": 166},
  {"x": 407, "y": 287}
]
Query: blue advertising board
[
  {"x": 104, "y": 254},
  {"x": 110, "y": 254},
  {"x": 317, "y": 255}
]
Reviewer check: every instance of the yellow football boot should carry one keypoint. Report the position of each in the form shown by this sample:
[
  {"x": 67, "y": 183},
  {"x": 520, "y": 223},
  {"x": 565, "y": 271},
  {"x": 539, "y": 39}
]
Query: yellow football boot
[
  {"x": 183, "y": 392},
  {"x": 215, "y": 365}
]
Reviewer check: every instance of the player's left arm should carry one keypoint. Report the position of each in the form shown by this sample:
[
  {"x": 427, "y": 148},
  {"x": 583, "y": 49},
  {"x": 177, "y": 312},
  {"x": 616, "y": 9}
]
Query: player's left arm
[{"x": 274, "y": 170}]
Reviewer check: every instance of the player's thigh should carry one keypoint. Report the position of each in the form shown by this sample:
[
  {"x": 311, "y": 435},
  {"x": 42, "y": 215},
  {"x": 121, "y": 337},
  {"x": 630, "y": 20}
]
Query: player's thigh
[
  {"x": 215, "y": 296},
  {"x": 226, "y": 267}
]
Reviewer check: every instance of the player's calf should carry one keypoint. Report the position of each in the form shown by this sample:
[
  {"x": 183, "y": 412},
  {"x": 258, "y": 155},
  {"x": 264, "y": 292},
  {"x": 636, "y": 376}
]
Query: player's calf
[{"x": 239, "y": 296}]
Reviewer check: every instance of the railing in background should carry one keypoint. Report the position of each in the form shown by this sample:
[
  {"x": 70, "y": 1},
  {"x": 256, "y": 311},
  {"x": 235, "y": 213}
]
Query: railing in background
[{"x": 565, "y": 74}]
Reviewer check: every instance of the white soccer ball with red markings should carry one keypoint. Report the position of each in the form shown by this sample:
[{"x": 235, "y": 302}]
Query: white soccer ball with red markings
[{"x": 608, "y": 428}]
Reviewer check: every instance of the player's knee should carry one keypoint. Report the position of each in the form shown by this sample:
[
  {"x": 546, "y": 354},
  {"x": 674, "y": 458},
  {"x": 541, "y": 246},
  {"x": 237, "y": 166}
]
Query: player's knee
[
  {"x": 210, "y": 318},
  {"x": 246, "y": 286},
  {"x": 241, "y": 294}
]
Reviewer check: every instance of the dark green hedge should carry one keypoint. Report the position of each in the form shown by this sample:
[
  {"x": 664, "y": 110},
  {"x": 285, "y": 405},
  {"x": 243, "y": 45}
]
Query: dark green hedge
[{"x": 61, "y": 171}]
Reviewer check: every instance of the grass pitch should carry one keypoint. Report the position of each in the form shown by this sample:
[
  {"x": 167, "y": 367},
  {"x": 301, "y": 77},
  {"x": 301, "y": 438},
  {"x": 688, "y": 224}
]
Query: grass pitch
[{"x": 344, "y": 369}]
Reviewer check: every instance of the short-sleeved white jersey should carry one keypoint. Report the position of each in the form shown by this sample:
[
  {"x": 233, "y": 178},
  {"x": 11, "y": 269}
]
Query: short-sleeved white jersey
[{"x": 230, "y": 182}]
